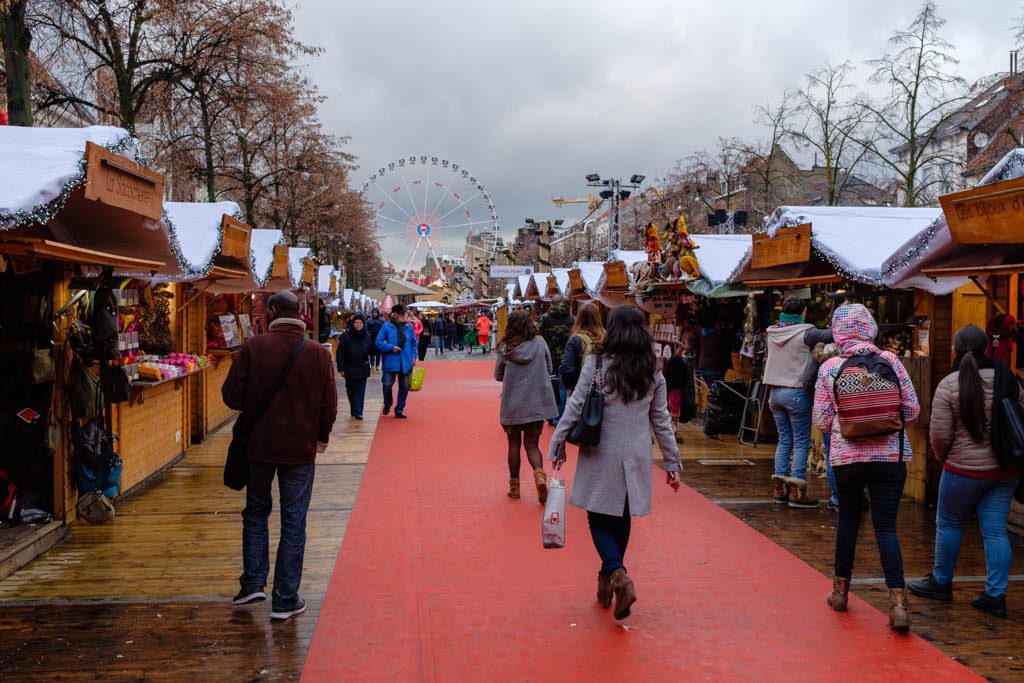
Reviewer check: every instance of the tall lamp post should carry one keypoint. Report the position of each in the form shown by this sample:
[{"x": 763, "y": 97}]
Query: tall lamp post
[{"x": 616, "y": 191}]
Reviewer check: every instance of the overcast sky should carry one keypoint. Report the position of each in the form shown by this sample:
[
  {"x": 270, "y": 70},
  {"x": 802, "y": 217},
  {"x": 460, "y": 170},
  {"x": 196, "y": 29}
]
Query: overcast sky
[{"x": 532, "y": 96}]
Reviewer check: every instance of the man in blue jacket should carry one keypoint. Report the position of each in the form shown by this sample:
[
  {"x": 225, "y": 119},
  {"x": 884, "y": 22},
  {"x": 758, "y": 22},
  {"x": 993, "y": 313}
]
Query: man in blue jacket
[{"x": 396, "y": 342}]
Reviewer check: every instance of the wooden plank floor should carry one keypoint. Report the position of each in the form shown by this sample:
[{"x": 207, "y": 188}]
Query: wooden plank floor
[{"x": 146, "y": 597}]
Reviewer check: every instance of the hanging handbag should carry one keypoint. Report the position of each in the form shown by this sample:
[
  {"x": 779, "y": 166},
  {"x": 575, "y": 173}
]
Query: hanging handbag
[
  {"x": 1007, "y": 428},
  {"x": 236, "y": 466},
  {"x": 587, "y": 430},
  {"x": 553, "y": 526},
  {"x": 1013, "y": 431},
  {"x": 117, "y": 388},
  {"x": 85, "y": 396}
]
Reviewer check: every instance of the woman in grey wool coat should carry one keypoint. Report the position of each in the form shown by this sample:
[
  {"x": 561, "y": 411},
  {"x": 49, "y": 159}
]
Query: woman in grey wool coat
[
  {"x": 524, "y": 369},
  {"x": 613, "y": 479}
]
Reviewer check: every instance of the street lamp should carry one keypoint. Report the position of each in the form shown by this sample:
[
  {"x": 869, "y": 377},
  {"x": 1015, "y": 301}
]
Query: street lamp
[{"x": 615, "y": 191}]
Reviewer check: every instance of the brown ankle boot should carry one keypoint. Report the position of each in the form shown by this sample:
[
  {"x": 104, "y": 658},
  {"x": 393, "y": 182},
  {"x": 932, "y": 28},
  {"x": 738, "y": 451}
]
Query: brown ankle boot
[
  {"x": 604, "y": 590},
  {"x": 837, "y": 600},
  {"x": 899, "y": 610},
  {"x": 780, "y": 492},
  {"x": 798, "y": 497},
  {"x": 541, "y": 479},
  {"x": 625, "y": 593},
  {"x": 513, "y": 488}
]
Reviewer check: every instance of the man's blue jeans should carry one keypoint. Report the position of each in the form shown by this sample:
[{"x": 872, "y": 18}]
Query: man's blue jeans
[
  {"x": 388, "y": 380},
  {"x": 438, "y": 344},
  {"x": 356, "y": 391},
  {"x": 958, "y": 496},
  {"x": 792, "y": 411},
  {"x": 295, "y": 485}
]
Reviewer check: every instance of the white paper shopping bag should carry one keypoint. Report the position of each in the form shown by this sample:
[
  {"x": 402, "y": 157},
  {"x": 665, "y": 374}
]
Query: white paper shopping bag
[{"x": 553, "y": 527}]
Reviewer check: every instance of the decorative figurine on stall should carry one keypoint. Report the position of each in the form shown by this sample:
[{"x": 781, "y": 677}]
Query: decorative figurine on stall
[
  {"x": 652, "y": 243},
  {"x": 643, "y": 273},
  {"x": 679, "y": 256}
]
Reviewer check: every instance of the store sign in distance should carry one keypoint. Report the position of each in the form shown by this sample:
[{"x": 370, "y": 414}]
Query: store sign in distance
[{"x": 510, "y": 272}]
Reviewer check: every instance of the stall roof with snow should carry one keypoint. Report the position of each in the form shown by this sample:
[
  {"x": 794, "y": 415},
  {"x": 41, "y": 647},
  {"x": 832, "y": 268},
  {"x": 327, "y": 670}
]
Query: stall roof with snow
[
  {"x": 719, "y": 257},
  {"x": 262, "y": 243},
  {"x": 214, "y": 245},
  {"x": 82, "y": 195},
  {"x": 845, "y": 243}
]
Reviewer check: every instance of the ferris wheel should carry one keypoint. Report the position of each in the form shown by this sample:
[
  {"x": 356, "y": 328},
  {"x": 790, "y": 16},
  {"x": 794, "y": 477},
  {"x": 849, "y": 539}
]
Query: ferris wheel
[{"x": 428, "y": 207}]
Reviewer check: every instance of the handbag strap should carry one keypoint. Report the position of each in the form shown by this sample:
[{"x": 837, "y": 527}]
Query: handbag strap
[
  {"x": 255, "y": 417},
  {"x": 598, "y": 376}
]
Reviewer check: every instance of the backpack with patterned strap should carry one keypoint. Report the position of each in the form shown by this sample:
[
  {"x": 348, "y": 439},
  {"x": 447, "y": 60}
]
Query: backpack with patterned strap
[{"x": 868, "y": 397}]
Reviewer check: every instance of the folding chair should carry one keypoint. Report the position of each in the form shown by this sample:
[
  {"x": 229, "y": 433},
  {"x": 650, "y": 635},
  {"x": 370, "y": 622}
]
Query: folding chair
[{"x": 756, "y": 400}]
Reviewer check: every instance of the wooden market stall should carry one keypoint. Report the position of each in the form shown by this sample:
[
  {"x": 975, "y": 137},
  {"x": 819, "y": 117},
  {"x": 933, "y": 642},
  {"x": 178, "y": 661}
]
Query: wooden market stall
[
  {"x": 830, "y": 255},
  {"x": 75, "y": 207}
]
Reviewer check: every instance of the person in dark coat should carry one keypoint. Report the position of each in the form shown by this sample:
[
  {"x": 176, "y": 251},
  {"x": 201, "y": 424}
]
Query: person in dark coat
[
  {"x": 285, "y": 442},
  {"x": 460, "y": 331},
  {"x": 373, "y": 326},
  {"x": 354, "y": 362},
  {"x": 440, "y": 329}
]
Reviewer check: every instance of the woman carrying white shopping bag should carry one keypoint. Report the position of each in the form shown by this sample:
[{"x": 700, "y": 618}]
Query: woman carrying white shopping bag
[{"x": 613, "y": 477}]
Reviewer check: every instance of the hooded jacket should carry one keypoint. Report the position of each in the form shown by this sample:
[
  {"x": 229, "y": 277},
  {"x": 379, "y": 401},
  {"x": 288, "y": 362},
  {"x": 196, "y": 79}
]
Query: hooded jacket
[
  {"x": 353, "y": 356},
  {"x": 855, "y": 330},
  {"x": 374, "y": 323},
  {"x": 387, "y": 341},
  {"x": 525, "y": 373},
  {"x": 556, "y": 327},
  {"x": 789, "y": 354}
]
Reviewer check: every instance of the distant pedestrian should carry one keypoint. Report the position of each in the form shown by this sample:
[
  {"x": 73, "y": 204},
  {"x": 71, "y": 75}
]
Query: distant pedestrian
[
  {"x": 295, "y": 427},
  {"x": 460, "y": 331},
  {"x": 483, "y": 330},
  {"x": 450, "y": 334},
  {"x": 422, "y": 329},
  {"x": 440, "y": 331},
  {"x": 523, "y": 368},
  {"x": 877, "y": 462},
  {"x": 555, "y": 327},
  {"x": 714, "y": 350},
  {"x": 613, "y": 480},
  {"x": 373, "y": 326},
  {"x": 397, "y": 344},
  {"x": 791, "y": 371},
  {"x": 354, "y": 362},
  {"x": 977, "y": 477},
  {"x": 586, "y": 335}
]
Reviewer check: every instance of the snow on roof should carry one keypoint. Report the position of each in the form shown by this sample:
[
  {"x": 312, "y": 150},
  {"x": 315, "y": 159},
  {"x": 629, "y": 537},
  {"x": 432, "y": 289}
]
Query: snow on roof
[
  {"x": 562, "y": 279},
  {"x": 262, "y": 245},
  {"x": 42, "y": 165},
  {"x": 524, "y": 282},
  {"x": 628, "y": 257},
  {"x": 296, "y": 255},
  {"x": 856, "y": 238},
  {"x": 541, "y": 280},
  {"x": 196, "y": 228},
  {"x": 591, "y": 272},
  {"x": 721, "y": 256},
  {"x": 346, "y": 297},
  {"x": 323, "y": 279},
  {"x": 510, "y": 290}
]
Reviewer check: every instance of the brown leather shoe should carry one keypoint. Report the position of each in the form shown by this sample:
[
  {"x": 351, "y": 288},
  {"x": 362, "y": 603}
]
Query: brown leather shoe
[
  {"x": 625, "y": 593},
  {"x": 513, "y": 488},
  {"x": 604, "y": 590},
  {"x": 899, "y": 610},
  {"x": 780, "y": 490},
  {"x": 541, "y": 480},
  {"x": 837, "y": 600}
]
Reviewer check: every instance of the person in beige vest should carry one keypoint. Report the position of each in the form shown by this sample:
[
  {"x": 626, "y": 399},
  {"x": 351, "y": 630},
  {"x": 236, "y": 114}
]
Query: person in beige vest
[{"x": 789, "y": 352}]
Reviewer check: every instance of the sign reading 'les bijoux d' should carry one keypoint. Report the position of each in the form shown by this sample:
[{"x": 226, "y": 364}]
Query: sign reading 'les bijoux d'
[
  {"x": 990, "y": 213},
  {"x": 788, "y": 245},
  {"x": 115, "y": 181}
]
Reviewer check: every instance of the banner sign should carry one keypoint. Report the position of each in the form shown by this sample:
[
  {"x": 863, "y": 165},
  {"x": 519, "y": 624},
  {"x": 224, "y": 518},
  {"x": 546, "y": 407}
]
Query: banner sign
[
  {"x": 789, "y": 245},
  {"x": 510, "y": 272},
  {"x": 987, "y": 214}
]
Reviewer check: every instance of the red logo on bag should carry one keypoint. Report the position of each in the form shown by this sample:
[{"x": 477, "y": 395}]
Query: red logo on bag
[{"x": 554, "y": 518}]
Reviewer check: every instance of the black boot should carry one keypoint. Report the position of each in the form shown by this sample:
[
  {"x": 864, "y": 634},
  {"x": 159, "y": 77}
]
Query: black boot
[
  {"x": 994, "y": 606},
  {"x": 929, "y": 588}
]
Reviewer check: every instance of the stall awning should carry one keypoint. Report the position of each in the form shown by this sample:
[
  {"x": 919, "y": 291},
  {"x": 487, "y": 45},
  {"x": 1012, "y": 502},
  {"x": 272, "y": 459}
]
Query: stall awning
[{"x": 83, "y": 188}]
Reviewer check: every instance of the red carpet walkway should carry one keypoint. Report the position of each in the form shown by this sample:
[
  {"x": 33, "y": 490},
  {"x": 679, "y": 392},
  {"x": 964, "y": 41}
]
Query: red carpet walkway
[{"x": 442, "y": 578}]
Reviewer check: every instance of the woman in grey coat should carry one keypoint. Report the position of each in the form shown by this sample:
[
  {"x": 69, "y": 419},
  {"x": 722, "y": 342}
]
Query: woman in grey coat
[
  {"x": 613, "y": 480},
  {"x": 524, "y": 369}
]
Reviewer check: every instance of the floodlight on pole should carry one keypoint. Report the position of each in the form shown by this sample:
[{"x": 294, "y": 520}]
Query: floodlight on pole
[
  {"x": 593, "y": 178},
  {"x": 617, "y": 191}
]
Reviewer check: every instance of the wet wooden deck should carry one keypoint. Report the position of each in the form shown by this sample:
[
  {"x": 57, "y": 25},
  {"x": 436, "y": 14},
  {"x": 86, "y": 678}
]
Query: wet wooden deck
[{"x": 146, "y": 596}]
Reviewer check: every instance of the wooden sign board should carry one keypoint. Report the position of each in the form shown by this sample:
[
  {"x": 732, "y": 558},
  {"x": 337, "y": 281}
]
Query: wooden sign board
[
  {"x": 576, "y": 283},
  {"x": 235, "y": 236},
  {"x": 552, "y": 290},
  {"x": 987, "y": 214},
  {"x": 790, "y": 245},
  {"x": 334, "y": 284},
  {"x": 308, "y": 273},
  {"x": 615, "y": 275},
  {"x": 280, "y": 268},
  {"x": 115, "y": 181}
]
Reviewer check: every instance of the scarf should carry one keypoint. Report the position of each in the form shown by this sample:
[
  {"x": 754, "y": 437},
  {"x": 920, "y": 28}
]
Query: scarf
[
  {"x": 791, "y": 318},
  {"x": 401, "y": 334}
]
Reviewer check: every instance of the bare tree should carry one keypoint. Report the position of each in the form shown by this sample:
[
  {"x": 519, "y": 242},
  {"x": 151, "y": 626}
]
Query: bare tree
[
  {"x": 833, "y": 127},
  {"x": 769, "y": 176},
  {"x": 923, "y": 94},
  {"x": 16, "y": 39}
]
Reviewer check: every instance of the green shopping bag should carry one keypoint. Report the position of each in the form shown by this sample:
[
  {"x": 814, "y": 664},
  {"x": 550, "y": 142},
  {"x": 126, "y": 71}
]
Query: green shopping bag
[{"x": 416, "y": 378}]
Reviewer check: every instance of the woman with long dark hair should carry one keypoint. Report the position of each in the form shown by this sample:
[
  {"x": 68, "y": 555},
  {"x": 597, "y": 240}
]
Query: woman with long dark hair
[
  {"x": 613, "y": 479},
  {"x": 975, "y": 476},
  {"x": 587, "y": 332},
  {"x": 524, "y": 370}
]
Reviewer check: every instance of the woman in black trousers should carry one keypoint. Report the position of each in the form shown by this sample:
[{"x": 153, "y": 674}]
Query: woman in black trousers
[{"x": 354, "y": 363}]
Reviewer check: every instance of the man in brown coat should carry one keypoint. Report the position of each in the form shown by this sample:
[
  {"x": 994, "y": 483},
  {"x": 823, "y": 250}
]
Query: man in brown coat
[{"x": 295, "y": 427}]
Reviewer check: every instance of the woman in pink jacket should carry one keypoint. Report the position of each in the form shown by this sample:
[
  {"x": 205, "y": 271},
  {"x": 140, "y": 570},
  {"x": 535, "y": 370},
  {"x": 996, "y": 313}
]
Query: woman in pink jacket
[{"x": 878, "y": 463}]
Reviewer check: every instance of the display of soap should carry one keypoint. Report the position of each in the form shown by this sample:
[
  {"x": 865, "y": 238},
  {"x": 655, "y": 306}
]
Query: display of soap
[{"x": 156, "y": 368}]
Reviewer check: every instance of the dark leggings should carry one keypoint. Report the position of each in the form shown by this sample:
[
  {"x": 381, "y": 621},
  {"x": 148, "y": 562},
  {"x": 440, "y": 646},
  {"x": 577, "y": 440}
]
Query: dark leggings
[
  {"x": 884, "y": 481},
  {"x": 611, "y": 536},
  {"x": 524, "y": 435}
]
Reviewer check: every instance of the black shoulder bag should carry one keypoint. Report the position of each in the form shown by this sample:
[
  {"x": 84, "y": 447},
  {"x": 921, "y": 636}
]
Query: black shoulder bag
[
  {"x": 587, "y": 430},
  {"x": 236, "y": 467}
]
